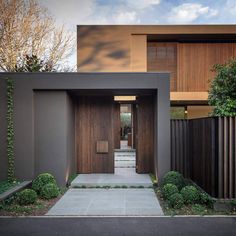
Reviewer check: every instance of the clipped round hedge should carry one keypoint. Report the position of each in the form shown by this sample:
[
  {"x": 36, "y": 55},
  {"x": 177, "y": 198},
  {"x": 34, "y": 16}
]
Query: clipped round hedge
[
  {"x": 176, "y": 201},
  {"x": 190, "y": 194},
  {"x": 26, "y": 197},
  {"x": 168, "y": 190},
  {"x": 175, "y": 178},
  {"x": 205, "y": 199},
  {"x": 41, "y": 180},
  {"x": 49, "y": 191}
]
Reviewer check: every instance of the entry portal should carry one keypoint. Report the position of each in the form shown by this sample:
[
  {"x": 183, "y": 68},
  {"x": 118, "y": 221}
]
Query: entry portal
[{"x": 98, "y": 133}]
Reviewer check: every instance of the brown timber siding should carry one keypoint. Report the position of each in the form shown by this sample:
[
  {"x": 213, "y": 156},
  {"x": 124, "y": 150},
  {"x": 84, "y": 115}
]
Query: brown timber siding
[
  {"x": 205, "y": 150},
  {"x": 190, "y": 64}
]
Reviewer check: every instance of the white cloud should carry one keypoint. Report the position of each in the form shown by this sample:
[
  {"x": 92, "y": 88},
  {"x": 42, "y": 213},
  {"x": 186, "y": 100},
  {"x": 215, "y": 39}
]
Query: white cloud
[
  {"x": 125, "y": 17},
  {"x": 231, "y": 6},
  {"x": 141, "y": 4},
  {"x": 188, "y": 12},
  {"x": 75, "y": 12}
]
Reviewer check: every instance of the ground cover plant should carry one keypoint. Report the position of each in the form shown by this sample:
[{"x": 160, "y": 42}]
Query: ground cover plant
[{"x": 6, "y": 185}]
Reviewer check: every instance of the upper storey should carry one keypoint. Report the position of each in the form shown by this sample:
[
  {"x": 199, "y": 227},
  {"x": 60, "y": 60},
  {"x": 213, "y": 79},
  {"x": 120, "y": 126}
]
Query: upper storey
[{"x": 187, "y": 51}]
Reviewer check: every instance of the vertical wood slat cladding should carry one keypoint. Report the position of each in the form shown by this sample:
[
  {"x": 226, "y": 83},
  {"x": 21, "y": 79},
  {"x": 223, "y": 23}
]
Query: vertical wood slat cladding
[
  {"x": 179, "y": 147},
  {"x": 117, "y": 125},
  {"x": 190, "y": 64},
  {"x": 94, "y": 122},
  {"x": 163, "y": 57},
  {"x": 195, "y": 61},
  {"x": 227, "y": 157},
  {"x": 210, "y": 158},
  {"x": 145, "y": 134}
]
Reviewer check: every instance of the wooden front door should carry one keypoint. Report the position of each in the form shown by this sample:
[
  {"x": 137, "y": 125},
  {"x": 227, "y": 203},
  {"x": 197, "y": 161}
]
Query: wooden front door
[
  {"x": 143, "y": 112},
  {"x": 95, "y": 134}
]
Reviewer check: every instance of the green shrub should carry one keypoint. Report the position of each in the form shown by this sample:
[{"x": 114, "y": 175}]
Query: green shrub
[
  {"x": 175, "y": 178},
  {"x": 176, "y": 200},
  {"x": 41, "y": 180},
  {"x": 26, "y": 197},
  {"x": 168, "y": 190},
  {"x": 233, "y": 202},
  {"x": 198, "y": 209},
  {"x": 206, "y": 199},
  {"x": 49, "y": 191},
  {"x": 190, "y": 194},
  {"x": 222, "y": 90}
]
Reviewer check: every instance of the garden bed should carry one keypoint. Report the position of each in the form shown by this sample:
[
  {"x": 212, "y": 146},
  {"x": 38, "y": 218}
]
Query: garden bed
[
  {"x": 35, "y": 200},
  {"x": 40, "y": 208},
  {"x": 195, "y": 209},
  {"x": 179, "y": 196}
]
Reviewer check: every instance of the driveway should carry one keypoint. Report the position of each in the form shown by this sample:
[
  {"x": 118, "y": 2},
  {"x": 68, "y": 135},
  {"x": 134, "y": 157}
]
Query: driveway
[
  {"x": 119, "y": 226},
  {"x": 107, "y": 202}
]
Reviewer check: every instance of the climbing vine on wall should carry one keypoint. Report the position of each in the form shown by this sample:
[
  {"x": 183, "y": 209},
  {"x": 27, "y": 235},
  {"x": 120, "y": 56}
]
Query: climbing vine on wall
[{"x": 10, "y": 131}]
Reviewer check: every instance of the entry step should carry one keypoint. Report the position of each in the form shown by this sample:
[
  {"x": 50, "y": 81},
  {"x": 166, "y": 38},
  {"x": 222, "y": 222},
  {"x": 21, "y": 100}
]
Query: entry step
[{"x": 122, "y": 177}]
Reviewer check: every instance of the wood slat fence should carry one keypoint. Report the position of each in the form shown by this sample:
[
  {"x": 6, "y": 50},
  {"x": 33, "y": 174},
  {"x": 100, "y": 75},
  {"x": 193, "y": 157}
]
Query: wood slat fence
[{"x": 204, "y": 150}]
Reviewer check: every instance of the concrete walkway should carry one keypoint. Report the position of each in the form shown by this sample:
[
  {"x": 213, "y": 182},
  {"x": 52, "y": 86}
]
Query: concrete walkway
[
  {"x": 107, "y": 202},
  {"x": 115, "y": 201},
  {"x": 122, "y": 177}
]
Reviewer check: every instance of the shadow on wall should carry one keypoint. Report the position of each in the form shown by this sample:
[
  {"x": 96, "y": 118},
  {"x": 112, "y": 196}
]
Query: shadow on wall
[{"x": 103, "y": 48}]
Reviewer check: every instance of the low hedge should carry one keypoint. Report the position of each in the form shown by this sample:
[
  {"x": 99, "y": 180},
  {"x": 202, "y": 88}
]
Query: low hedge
[
  {"x": 49, "y": 191},
  {"x": 190, "y": 194},
  {"x": 176, "y": 201},
  {"x": 168, "y": 190},
  {"x": 173, "y": 177},
  {"x": 41, "y": 180},
  {"x": 26, "y": 197}
]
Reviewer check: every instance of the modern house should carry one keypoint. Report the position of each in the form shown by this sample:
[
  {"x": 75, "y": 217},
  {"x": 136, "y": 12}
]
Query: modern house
[
  {"x": 128, "y": 77},
  {"x": 187, "y": 51}
]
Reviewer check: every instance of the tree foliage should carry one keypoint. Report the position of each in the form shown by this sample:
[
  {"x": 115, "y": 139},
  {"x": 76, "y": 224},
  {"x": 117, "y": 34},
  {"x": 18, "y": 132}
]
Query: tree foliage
[
  {"x": 26, "y": 28},
  {"x": 33, "y": 64},
  {"x": 222, "y": 93}
]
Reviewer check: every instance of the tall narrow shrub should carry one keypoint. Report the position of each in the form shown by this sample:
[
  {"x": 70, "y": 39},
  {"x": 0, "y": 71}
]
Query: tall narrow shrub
[{"x": 10, "y": 131}]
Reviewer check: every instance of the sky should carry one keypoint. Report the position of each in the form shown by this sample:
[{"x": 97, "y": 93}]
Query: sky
[{"x": 101, "y": 12}]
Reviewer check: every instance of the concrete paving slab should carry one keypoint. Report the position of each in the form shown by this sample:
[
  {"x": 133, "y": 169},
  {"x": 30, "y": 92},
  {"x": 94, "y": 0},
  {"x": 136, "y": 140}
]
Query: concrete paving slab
[
  {"x": 107, "y": 202},
  {"x": 122, "y": 176}
]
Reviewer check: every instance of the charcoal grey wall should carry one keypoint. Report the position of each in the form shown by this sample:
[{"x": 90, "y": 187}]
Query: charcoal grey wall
[
  {"x": 71, "y": 165},
  {"x": 28, "y": 111},
  {"x": 54, "y": 139},
  {"x": 3, "y": 130}
]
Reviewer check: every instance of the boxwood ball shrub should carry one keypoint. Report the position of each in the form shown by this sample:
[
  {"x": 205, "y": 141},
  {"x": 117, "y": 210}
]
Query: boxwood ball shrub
[
  {"x": 41, "y": 180},
  {"x": 176, "y": 201},
  {"x": 49, "y": 191},
  {"x": 190, "y": 194},
  {"x": 175, "y": 178},
  {"x": 26, "y": 197},
  {"x": 205, "y": 199},
  {"x": 168, "y": 190}
]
